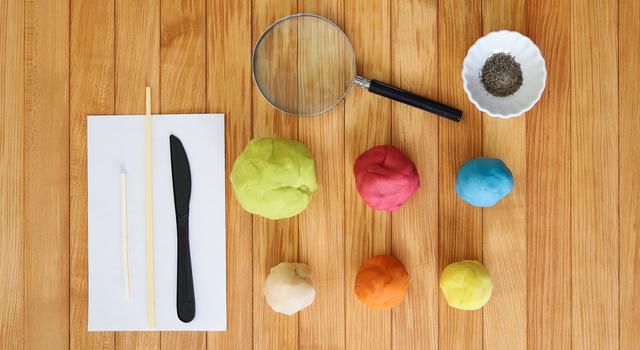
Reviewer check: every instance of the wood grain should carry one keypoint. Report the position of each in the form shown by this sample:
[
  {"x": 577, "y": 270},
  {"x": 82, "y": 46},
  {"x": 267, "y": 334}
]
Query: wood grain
[
  {"x": 183, "y": 57},
  {"x": 414, "y": 62},
  {"x": 273, "y": 241},
  {"x": 460, "y": 236},
  {"x": 321, "y": 225},
  {"x": 594, "y": 174},
  {"x": 367, "y": 124},
  {"x": 91, "y": 92},
  {"x": 183, "y": 77},
  {"x": 228, "y": 61},
  {"x": 549, "y": 183},
  {"x": 504, "y": 225},
  {"x": 137, "y": 63},
  {"x": 12, "y": 258},
  {"x": 46, "y": 174},
  {"x": 629, "y": 163}
]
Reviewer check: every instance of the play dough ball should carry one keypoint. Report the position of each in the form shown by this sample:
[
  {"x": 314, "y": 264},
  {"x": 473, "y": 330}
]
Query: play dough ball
[
  {"x": 385, "y": 178},
  {"x": 466, "y": 285},
  {"x": 482, "y": 182},
  {"x": 382, "y": 282},
  {"x": 274, "y": 177},
  {"x": 288, "y": 288}
]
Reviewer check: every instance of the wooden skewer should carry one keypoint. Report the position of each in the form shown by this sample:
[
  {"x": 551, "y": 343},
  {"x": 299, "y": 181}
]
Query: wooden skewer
[
  {"x": 125, "y": 235},
  {"x": 151, "y": 303}
]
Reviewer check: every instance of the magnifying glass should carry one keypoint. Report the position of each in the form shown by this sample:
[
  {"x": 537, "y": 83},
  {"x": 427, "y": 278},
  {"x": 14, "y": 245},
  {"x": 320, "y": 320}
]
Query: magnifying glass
[{"x": 304, "y": 65}]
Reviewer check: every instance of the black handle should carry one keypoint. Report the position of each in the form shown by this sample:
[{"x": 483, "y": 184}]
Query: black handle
[
  {"x": 185, "y": 298},
  {"x": 414, "y": 100}
]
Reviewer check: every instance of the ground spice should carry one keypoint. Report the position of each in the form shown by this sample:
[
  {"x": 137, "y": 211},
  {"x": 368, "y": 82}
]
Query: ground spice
[{"x": 501, "y": 75}]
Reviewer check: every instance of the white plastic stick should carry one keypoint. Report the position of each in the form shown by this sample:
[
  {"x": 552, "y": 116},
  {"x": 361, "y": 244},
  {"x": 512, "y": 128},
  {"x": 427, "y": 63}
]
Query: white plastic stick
[
  {"x": 151, "y": 303},
  {"x": 125, "y": 236}
]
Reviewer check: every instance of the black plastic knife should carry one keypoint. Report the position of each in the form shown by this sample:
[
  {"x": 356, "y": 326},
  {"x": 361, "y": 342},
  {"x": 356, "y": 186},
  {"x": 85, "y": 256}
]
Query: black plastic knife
[{"x": 185, "y": 298}]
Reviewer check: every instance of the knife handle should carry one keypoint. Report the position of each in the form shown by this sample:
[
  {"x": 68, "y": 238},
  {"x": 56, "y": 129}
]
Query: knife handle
[{"x": 185, "y": 299}]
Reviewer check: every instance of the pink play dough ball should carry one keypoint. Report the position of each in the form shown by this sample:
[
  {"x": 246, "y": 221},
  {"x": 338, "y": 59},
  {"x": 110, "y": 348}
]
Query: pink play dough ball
[{"x": 385, "y": 178}]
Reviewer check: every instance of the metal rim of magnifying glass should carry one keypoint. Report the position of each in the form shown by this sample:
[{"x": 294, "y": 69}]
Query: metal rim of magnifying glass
[{"x": 274, "y": 25}]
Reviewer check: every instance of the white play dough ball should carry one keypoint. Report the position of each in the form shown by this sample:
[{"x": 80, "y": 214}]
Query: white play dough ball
[{"x": 289, "y": 288}]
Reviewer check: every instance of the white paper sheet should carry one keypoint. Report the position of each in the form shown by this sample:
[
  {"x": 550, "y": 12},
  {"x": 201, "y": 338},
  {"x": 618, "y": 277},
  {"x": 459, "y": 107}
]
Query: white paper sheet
[{"x": 117, "y": 143}]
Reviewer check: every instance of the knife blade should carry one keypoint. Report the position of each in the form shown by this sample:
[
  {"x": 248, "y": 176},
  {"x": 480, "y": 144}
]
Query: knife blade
[{"x": 181, "y": 174}]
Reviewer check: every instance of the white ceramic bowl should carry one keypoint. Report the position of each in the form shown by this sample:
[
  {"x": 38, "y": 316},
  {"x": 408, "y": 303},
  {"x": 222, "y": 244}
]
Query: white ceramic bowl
[{"x": 534, "y": 73}]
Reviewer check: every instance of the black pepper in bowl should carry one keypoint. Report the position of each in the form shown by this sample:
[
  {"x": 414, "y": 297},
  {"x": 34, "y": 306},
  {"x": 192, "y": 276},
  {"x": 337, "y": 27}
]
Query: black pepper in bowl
[{"x": 501, "y": 75}]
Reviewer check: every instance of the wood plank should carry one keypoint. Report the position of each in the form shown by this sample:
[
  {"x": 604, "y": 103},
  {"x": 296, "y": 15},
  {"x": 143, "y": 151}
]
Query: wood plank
[
  {"x": 12, "y": 263},
  {"x": 367, "y": 124},
  {"x": 414, "y": 58},
  {"x": 46, "y": 191},
  {"x": 504, "y": 225},
  {"x": 460, "y": 238},
  {"x": 183, "y": 57},
  {"x": 273, "y": 241},
  {"x": 228, "y": 60},
  {"x": 183, "y": 74},
  {"x": 321, "y": 225},
  {"x": 594, "y": 175},
  {"x": 91, "y": 92},
  {"x": 549, "y": 182},
  {"x": 137, "y": 64},
  {"x": 629, "y": 107}
]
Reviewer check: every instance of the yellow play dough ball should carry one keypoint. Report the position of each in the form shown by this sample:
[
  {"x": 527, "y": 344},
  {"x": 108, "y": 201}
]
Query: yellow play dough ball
[{"x": 466, "y": 285}]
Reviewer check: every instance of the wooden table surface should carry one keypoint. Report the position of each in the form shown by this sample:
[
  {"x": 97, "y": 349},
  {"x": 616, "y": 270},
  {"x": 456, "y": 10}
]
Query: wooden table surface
[{"x": 563, "y": 249}]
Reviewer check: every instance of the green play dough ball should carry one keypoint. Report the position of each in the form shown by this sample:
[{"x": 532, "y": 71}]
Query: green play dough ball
[
  {"x": 466, "y": 285},
  {"x": 274, "y": 177}
]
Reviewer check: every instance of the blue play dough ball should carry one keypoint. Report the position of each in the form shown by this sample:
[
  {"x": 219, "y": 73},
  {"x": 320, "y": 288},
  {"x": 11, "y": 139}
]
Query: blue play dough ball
[{"x": 482, "y": 182}]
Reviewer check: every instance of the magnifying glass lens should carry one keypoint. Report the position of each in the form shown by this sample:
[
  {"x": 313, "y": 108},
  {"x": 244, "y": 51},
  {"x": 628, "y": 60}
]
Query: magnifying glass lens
[{"x": 304, "y": 65}]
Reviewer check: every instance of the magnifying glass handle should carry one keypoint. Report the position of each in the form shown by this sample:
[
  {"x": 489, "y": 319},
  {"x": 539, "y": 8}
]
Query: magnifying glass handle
[{"x": 406, "y": 97}]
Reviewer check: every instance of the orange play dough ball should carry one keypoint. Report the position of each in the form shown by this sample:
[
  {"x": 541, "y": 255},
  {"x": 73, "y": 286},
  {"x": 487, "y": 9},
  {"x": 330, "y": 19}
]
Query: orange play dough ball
[{"x": 382, "y": 282}]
